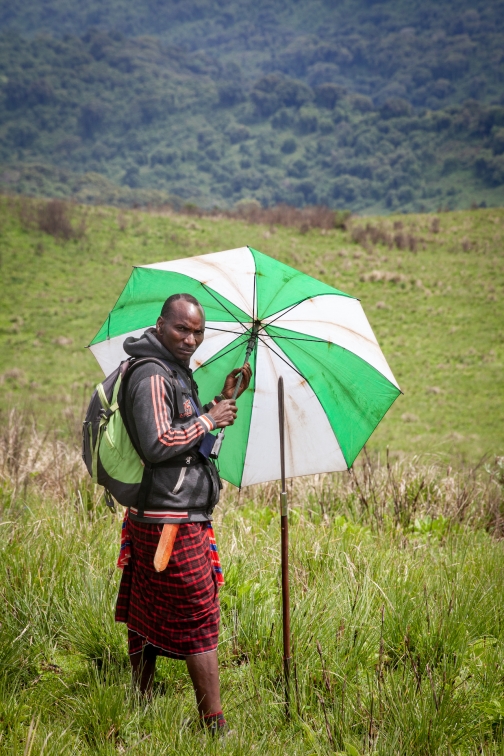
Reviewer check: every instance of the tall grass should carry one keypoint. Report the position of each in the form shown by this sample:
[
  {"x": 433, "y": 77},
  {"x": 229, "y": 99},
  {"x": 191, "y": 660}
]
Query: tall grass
[{"x": 397, "y": 619}]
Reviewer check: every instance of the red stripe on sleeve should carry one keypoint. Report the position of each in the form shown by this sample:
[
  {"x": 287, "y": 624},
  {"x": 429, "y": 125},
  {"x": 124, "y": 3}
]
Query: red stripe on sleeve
[
  {"x": 154, "y": 403},
  {"x": 167, "y": 435}
]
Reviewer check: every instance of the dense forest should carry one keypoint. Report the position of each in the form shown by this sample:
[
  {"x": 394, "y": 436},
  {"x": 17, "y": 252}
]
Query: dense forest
[{"x": 372, "y": 106}]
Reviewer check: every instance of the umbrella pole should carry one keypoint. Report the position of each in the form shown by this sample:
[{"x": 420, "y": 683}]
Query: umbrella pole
[{"x": 284, "y": 530}]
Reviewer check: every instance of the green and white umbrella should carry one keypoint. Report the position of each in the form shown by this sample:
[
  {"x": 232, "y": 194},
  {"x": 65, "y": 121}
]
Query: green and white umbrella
[{"x": 338, "y": 385}]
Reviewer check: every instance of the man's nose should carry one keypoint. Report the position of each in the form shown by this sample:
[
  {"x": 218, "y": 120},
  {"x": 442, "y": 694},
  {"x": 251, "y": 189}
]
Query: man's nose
[{"x": 189, "y": 339}]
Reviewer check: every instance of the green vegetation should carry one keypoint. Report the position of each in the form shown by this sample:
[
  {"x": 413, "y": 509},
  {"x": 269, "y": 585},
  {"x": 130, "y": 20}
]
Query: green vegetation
[
  {"x": 398, "y": 637},
  {"x": 431, "y": 287},
  {"x": 396, "y": 567},
  {"x": 378, "y": 107}
]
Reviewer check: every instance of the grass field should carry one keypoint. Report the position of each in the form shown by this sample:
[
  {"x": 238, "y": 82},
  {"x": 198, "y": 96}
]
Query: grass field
[
  {"x": 396, "y": 568},
  {"x": 397, "y": 623},
  {"x": 437, "y": 310}
]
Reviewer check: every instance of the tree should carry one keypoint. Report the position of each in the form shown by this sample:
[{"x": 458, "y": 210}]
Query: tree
[
  {"x": 395, "y": 107},
  {"x": 230, "y": 93},
  {"x": 92, "y": 116},
  {"x": 289, "y": 146},
  {"x": 327, "y": 95}
]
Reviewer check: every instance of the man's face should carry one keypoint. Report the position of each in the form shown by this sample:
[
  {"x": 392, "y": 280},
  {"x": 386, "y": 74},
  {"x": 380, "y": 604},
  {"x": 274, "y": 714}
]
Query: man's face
[{"x": 183, "y": 330}]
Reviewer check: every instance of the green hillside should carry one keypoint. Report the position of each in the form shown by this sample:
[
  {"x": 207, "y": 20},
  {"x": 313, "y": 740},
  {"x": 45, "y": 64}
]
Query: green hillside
[
  {"x": 431, "y": 286},
  {"x": 377, "y": 107}
]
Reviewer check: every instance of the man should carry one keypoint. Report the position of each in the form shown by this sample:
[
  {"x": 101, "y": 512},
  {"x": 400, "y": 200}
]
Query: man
[{"x": 175, "y": 613}]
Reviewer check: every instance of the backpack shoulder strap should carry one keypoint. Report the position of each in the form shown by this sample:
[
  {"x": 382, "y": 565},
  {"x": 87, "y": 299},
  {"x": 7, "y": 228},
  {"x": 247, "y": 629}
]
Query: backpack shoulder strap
[{"x": 178, "y": 388}]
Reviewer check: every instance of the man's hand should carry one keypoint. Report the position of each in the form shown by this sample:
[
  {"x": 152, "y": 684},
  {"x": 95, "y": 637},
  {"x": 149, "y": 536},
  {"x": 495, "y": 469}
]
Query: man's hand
[
  {"x": 230, "y": 382},
  {"x": 224, "y": 413}
]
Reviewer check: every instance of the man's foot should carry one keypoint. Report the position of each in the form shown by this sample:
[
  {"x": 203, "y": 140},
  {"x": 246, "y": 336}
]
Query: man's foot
[{"x": 215, "y": 724}]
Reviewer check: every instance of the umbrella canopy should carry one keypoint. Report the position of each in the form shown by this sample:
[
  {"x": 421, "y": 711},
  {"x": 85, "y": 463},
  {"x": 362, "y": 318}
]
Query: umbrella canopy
[{"x": 338, "y": 385}]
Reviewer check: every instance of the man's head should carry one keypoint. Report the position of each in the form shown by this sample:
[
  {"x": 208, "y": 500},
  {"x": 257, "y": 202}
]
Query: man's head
[{"x": 181, "y": 326}]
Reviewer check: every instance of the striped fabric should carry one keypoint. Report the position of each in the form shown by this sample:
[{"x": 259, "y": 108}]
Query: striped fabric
[
  {"x": 175, "y": 611},
  {"x": 161, "y": 514},
  {"x": 214, "y": 553},
  {"x": 167, "y": 435},
  {"x": 125, "y": 550}
]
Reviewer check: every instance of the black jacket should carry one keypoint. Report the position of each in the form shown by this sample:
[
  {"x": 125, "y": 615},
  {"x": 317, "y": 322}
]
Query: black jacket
[{"x": 165, "y": 427}]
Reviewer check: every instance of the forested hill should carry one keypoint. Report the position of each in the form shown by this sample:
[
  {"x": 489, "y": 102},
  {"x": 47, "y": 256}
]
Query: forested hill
[{"x": 366, "y": 105}]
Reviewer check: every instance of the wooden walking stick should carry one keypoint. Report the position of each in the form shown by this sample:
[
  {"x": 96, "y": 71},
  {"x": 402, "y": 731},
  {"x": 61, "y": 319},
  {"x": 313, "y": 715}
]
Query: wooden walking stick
[
  {"x": 284, "y": 530},
  {"x": 165, "y": 546}
]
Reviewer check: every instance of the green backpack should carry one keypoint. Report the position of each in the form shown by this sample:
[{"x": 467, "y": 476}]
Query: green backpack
[{"x": 107, "y": 449}]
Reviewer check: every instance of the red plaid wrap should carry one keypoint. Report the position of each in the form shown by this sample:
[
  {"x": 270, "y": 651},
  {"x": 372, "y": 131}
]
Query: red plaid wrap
[{"x": 177, "y": 610}]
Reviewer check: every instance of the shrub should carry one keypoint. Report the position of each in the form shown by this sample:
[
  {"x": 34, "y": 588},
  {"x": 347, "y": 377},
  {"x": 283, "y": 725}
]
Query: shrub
[
  {"x": 362, "y": 103},
  {"x": 321, "y": 73},
  {"x": 326, "y": 126},
  {"x": 491, "y": 170},
  {"x": 230, "y": 93},
  {"x": 347, "y": 188},
  {"x": 282, "y": 120},
  {"x": 269, "y": 157},
  {"x": 163, "y": 157},
  {"x": 405, "y": 194},
  {"x": 451, "y": 66},
  {"x": 307, "y": 121},
  {"x": 21, "y": 135},
  {"x": 298, "y": 169},
  {"x": 272, "y": 91},
  {"x": 327, "y": 95},
  {"x": 55, "y": 218},
  {"x": 266, "y": 103},
  {"x": 498, "y": 141},
  {"x": 341, "y": 218},
  {"x": 450, "y": 165},
  {"x": 289, "y": 146},
  {"x": 237, "y": 133},
  {"x": 151, "y": 108},
  {"x": 40, "y": 92},
  {"x": 395, "y": 107},
  {"x": 490, "y": 117},
  {"x": 294, "y": 93},
  {"x": 92, "y": 116},
  {"x": 131, "y": 177},
  {"x": 307, "y": 188}
]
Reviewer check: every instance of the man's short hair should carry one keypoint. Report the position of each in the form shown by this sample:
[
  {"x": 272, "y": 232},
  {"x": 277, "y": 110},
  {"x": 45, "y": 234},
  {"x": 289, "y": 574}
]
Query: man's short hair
[{"x": 167, "y": 308}]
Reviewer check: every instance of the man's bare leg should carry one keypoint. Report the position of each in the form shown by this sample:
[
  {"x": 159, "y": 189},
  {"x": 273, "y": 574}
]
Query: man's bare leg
[
  {"x": 143, "y": 667},
  {"x": 204, "y": 672}
]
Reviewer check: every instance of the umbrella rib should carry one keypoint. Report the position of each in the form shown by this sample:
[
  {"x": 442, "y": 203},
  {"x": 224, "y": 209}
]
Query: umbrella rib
[
  {"x": 209, "y": 291},
  {"x": 281, "y": 358},
  {"x": 225, "y": 330},
  {"x": 254, "y": 298},
  {"x": 284, "y": 312},
  {"x": 299, "y": 338},
  {"x": 209, "y": 362}
]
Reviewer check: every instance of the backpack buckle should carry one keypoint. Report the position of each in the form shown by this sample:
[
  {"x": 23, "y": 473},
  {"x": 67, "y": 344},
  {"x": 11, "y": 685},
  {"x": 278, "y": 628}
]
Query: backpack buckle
[{"x": 109, "y": 501}]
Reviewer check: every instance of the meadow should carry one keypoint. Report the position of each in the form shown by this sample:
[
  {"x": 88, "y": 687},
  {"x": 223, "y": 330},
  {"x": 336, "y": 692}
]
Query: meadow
[
  {"x": 396, "y": 567},
  {"x": 431, "y": 286},
  {"x": 397, "y": 625}
]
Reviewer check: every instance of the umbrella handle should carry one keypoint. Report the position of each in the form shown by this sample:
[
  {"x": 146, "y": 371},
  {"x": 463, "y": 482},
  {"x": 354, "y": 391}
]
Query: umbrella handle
[
  {"x": 250, "y": 346},
  {"x": 165, "y": 547}
]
